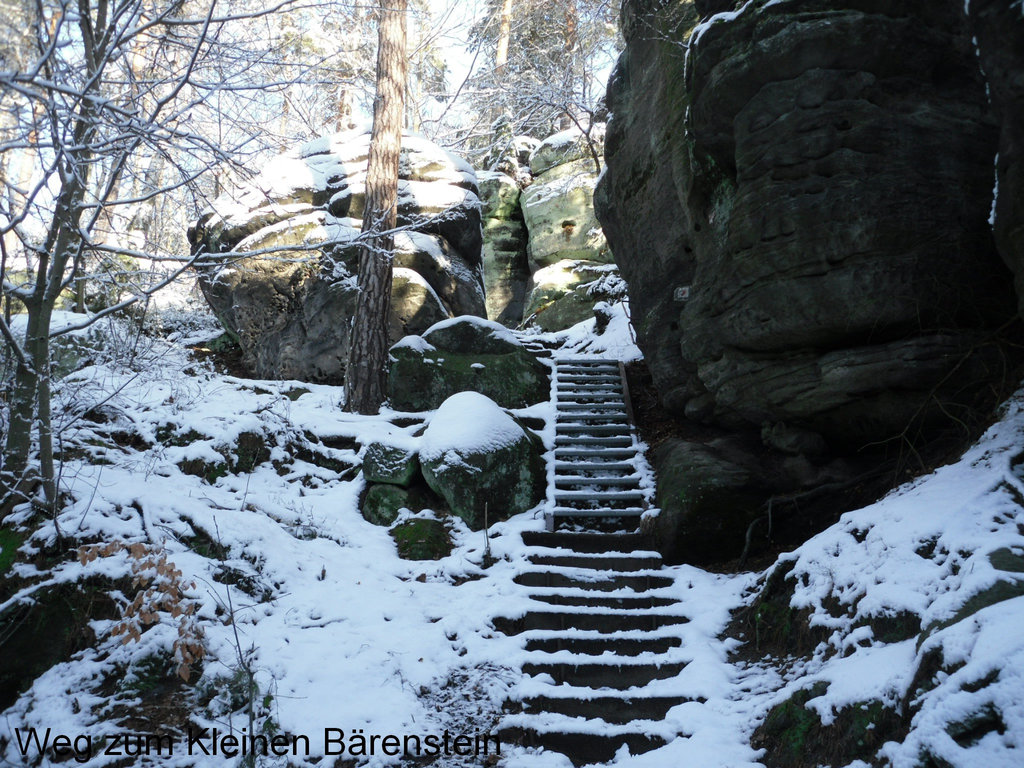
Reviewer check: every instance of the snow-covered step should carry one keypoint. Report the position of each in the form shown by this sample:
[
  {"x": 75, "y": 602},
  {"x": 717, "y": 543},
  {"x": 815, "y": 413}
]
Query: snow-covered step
[
  {"x": 603, "y": 620},
  {"x": 606, "y": 441},
  {"x": 583, "y": 742},
  {"x": 594, "y": 466},
  {"x": 587, "y": 646},
  {"x": 593, "y": 429},
  {"x": 611, "y": 562},
  {"x": 619, "y": 674},
  {"x": 591, "y": 601},
  {"x": 592, "y": 453},
  {"x": 588, "y": 367},
  {"x": 609, "y": 481},
  {"x": 575, "y": 359},
  {"x": 598, "y": 497},
  {"x": 584, "y": 410},
  {"x": 594, "y": 376},
  {"x": 577, "y": 512},
  {"x": 593, "y": 543},
  {"x": 593, "y": 417},
  {"x": 613, "y": 707},
  {"x": 605, "y": 582}
]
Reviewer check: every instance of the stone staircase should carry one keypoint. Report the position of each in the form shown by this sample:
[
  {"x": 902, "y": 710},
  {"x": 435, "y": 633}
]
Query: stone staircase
[
  {"x": 595, "y": 449},
  {"x": 602, "y": 642}
]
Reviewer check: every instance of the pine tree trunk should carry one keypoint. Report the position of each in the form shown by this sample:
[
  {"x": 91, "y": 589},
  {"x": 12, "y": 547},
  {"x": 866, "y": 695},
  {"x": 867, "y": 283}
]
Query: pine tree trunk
[
  {"x": 366, "y": 374},
  {"x": 504, "y": 36}
]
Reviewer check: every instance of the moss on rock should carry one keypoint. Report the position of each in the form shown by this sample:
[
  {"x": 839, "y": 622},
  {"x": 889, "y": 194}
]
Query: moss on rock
[
  {"x": 422, "y": 539},
  {"x": 793, "y": 736}
]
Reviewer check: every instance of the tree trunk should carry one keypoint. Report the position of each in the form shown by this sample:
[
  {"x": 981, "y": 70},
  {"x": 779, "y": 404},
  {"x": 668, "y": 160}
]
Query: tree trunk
[
  {"x": 365, "y": 374},
  {"x": 504, "y": 35}
]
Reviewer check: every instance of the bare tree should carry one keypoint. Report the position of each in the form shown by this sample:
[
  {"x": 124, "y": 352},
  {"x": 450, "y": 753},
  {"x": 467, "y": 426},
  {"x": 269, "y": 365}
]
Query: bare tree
[
  {"x": 365, "y": 373},
  {"x": 111, "y": 112},
  {"x": 540, "y": 67}
]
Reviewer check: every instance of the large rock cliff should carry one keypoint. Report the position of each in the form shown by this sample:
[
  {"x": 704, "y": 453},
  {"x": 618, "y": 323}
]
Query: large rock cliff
[
  {"x": 798, "y": 193},
  {"x": 283, "y": 252}
]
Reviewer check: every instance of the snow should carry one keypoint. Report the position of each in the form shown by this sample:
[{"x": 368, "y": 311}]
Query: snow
[
  {"x": 718, "y": 18},
  {"x": 618, "y": 342},
  {"x": 496, "y": 330},
  {"x": 59, "y": 321},
  {"x": 341, "y": 633},
  {"x": 468, "y": 423}
]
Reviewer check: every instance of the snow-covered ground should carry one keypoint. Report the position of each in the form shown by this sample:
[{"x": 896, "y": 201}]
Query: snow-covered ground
[{"x": 287, "y": 582}]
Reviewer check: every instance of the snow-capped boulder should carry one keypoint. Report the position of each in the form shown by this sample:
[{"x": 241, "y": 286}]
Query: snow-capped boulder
[
  {"x": 566, "y": 147},
  {"x": 474, "y": 454},
  {"x": 464, "y": 354},
  {"x": 290, "y": 308}
]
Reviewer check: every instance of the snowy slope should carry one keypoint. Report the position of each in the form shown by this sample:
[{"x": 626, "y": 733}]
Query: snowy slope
[{"x": 290, "y": 584}]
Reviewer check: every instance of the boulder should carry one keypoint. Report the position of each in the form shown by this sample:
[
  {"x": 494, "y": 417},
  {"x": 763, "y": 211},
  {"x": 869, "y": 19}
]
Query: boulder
[
  {"x": 559, "y": 212},
  {"x": 499, "y": 195},
  {"x": 566, "y": 147},
  {"x": 389, "y": 463},
  {"x": 709, "y": 494},
  {"x": 383, "y": 503},
  {"x": 290, "y": 309},
  {"x": 506, "y": 266},
  {"x": 464, "y": 354},
  {"x": 422, "y": 538},
  {"x": 565, "y": 293},
  {"x": 481, "y": 460}
]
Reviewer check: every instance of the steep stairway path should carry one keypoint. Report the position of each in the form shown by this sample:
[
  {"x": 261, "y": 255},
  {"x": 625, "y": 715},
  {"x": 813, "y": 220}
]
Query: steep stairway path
[
  {"x": 601, "y": 640},
  {"x": 596, "y": 475}
]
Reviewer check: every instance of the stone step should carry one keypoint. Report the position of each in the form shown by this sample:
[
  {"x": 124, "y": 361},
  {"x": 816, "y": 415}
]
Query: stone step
[
  {"x": 616, "y": 562},
  {"x": 590, "y": 376},
  {"x": 601, "y": 366},
  {"x": 584, "y": 748},
  {"x": 598, "y": 582},
  {"x": 601, "y": 621},
  {"x": 619, "y": 676},
  {"x": 602, "y": 387},
  {"x": 611, "y": 709},
  {"x": 586, "y": 646},
  {"x": 594, "y": 466},
  {"x": 611, "y": 481},
  {"x": 606, "y": 441},
  {"x": 620, "y": 428},
  {"x": 564, "y": 512},
  {"x": 598, "y": 497},
  {"x": 593, "y": 601},
  {"x": 586, "y": 542},
  {"x": 594, "y": 452}
]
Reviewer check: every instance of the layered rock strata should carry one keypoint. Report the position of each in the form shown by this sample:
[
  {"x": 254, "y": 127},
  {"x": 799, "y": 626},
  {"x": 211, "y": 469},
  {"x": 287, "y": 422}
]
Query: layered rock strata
[
  {"x": 798, "y": 195},
  {"x": 283, "y": 253}
]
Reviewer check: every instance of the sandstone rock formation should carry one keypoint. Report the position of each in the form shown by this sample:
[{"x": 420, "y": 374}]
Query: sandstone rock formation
[
  {"x": 464, "y": 354},
  {"x": 290, "y": 302},
  {"x": 482, "y": 461},
  {"x": 999, "y": 31},
  {"x": 803, "y": 219},
  {"x": 506, "y": 264}
]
